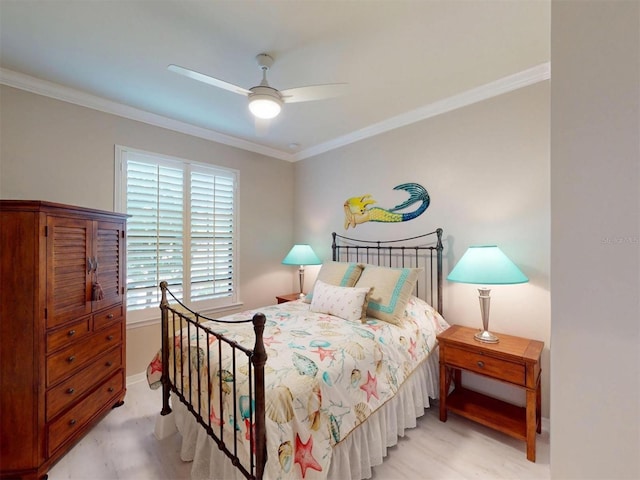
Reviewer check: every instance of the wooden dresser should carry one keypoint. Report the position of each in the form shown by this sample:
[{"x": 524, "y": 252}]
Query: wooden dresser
[{"x": 62, "y": 329}]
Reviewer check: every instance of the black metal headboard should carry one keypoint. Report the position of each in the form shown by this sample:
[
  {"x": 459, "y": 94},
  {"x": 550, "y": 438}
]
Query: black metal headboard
[{"x": 423, "y": 251}]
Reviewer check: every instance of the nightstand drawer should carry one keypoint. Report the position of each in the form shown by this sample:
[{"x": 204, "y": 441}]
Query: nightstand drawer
[{"x": 485, "y": 365}]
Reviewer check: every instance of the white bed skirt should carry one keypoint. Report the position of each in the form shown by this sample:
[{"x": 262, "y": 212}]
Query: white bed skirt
[{"x": 352, "y": 459}]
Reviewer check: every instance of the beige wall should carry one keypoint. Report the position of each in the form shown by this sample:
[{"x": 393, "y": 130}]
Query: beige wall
[
  {"x": 486, "y": 168},
  {"x": 595, "y": 241},
  {"x": 60, "y": 152}
]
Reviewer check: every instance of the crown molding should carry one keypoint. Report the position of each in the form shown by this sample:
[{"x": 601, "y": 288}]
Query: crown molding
[
  {"x": 498, "y": 87},
  {"x": 70, "y": 95},
  {"x": 503, "y": 85}
]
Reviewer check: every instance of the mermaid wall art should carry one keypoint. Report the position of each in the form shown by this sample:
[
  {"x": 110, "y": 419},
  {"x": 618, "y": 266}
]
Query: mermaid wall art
[{"x": 358, "y": 210}]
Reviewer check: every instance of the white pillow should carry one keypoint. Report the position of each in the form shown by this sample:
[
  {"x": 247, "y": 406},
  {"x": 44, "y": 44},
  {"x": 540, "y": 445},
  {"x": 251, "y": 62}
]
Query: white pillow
[
  {"x": 341, "y": 274},
  {"x": 349, "y": 303}
]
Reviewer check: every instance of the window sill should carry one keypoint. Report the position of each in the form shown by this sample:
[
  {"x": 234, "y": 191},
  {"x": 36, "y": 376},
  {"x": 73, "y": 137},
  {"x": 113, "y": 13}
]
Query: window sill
[{"x": 154, "y": 319}]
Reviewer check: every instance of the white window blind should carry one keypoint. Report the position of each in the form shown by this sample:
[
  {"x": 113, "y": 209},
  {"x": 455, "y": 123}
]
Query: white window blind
[
  {"x": 212, "y": 238},
  {"x": 181, "y": 230}
]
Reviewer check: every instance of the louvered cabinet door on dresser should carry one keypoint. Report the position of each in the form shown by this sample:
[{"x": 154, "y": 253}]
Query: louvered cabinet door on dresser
[{"x": 62, "y": 329}]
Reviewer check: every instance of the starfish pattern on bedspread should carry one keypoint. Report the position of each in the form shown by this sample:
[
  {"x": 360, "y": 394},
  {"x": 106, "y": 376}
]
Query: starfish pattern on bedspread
[{"x": 304, "y": 456}]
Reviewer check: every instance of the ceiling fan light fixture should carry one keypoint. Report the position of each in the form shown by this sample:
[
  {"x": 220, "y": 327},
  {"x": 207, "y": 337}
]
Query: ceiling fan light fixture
[{"x": 264, "y": 102}]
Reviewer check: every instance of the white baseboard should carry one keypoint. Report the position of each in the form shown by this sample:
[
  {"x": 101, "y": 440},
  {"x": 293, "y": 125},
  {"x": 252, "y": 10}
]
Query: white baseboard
[{"x": 137, "y": 378}]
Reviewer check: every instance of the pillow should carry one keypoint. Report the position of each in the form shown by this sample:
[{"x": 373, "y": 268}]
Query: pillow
[
  {"x": 392, "y": 288},
  {"x": 340, "y": 274},
  {"x": 349, "y": 303}
]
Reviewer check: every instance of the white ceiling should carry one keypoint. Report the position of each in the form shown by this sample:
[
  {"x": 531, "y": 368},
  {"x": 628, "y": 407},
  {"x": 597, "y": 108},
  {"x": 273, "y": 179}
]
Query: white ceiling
[{"x": 401, "y": 59}]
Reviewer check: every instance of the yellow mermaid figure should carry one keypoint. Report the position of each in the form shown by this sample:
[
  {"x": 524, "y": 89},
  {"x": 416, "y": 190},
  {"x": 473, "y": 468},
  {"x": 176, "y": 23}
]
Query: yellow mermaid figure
[{"x": 357, "y": 210}]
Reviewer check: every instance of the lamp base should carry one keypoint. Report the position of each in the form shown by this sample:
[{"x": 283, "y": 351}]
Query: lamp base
[{"x": 486, "y": 337}]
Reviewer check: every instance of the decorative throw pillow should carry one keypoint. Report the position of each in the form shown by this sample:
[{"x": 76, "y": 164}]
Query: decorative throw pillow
[
  {"x": 349, "y": 303},
  {"x": 340, "y": 274},
  {"x": 392, "y": 288}
]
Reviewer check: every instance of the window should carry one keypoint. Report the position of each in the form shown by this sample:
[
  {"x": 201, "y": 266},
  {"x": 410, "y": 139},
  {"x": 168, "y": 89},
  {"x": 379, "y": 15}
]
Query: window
[{"x": 181, "y": 230}]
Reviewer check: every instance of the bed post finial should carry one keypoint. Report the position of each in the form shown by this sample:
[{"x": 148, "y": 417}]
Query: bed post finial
[
  {"x": 334, "y": 250},
  {"x": 163, "y": 289},
  {"x": 164, "y": 378},
  {"x": 439, "y": 248},
  {"x": 259, "y": 360}
]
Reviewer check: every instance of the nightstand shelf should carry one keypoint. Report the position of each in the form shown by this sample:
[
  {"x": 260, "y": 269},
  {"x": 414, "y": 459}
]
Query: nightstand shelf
[
  {"x": 490, "y": 412},
  {"x": 513, "y": 360}
]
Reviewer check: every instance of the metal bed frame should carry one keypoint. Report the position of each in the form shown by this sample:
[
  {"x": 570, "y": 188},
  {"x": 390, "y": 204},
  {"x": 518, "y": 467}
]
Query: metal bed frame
[{"x": 421, "y": 251}]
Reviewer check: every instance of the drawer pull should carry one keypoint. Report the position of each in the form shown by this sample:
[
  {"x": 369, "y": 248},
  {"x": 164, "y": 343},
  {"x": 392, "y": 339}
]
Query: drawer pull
[
  {"x": 70, "y": 390},
  {"x": 71, "y": 359},
  {"x": 108, "y": 364},
  {"x": 72, "y": 422},
  {"x": 481, "y": 364},
  {"x": 110, "y": 316},
  {"x": 71, "y": 333},
  {"x": 110, "y": 337},
  {"x": 111, "y": 389}
]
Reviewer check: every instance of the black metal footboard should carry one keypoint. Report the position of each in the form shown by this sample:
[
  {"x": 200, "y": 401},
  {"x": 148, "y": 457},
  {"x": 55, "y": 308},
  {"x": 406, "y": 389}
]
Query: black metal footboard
[{"x": 188, "y": 385}]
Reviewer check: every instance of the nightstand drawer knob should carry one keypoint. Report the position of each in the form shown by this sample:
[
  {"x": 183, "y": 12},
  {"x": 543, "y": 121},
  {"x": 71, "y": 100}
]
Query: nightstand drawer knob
[
  {"x": 481, "y": 364},
  {"x": 71, "y": 359},
  {"x": 71, "y": 333},
  {"x": 70, "y": 390}
]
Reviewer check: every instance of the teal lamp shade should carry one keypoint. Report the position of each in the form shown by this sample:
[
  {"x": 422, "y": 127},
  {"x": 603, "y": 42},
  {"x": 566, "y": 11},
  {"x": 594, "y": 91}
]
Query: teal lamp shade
[
  {"x": 301, "y": 255},
  {"x": 486, "y": 265}
]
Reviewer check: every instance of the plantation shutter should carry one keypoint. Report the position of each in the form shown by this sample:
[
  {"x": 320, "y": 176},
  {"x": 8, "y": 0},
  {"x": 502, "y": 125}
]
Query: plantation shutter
[
  {"x": 181, "y": 230},
  {"x": 155, "y": 200},
  {"x": 212, "y": 235}
]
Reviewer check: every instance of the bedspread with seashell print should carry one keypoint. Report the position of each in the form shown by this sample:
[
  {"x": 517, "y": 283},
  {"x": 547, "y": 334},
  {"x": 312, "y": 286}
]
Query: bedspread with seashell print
[{"x": 324, "y": 376}]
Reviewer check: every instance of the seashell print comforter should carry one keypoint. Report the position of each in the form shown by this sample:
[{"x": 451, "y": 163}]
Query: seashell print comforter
[{"x": 324, "y": 376}]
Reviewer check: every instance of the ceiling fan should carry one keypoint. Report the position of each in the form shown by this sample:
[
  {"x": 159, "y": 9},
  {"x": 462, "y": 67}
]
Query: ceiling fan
[{"x": 265, "y": 102}]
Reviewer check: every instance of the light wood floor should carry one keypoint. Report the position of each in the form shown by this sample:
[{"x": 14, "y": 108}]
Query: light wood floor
[{"x": 123, "y": 447}]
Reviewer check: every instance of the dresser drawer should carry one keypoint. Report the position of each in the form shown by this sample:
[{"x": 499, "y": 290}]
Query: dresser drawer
[
  {"x": 76, "y": 418},
  {"x": 107, "y": 316},
  {"x": 70, "y": 333},
  {"x": 76, "y": 356},
  {"x": 64, "y": 394},
  {"x": 485, "y": 365}
]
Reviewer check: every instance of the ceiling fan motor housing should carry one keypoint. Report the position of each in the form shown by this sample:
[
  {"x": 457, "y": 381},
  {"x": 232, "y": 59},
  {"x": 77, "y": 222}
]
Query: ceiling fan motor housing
[
  {"x": 264, "y": 60},
  {"x": 265, "y": 102}
]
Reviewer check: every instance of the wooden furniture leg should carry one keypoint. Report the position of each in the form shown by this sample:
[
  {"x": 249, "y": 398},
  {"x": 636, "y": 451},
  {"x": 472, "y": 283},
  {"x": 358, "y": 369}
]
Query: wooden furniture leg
[
  {"x": 444, "y": 390},
  {"x": 532, "y": 422}
]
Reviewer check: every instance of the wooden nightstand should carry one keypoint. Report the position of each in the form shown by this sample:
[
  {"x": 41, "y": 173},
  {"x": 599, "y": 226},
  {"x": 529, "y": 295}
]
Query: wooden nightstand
[
  {"x": 288, "y": 298},
  {"x": 513, "y": 360}
]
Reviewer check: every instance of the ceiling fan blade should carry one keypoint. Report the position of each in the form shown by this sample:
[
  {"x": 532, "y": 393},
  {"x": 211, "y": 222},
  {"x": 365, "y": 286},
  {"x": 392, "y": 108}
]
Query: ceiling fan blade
[
  {"x": 313, "y": 92},
  {"x": 201, "y": 77}
]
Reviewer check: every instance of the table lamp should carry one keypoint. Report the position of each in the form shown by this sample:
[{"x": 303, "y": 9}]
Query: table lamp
[
  {"x": 301, "y": 255},
  {"x": 486, "y": 265}
]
